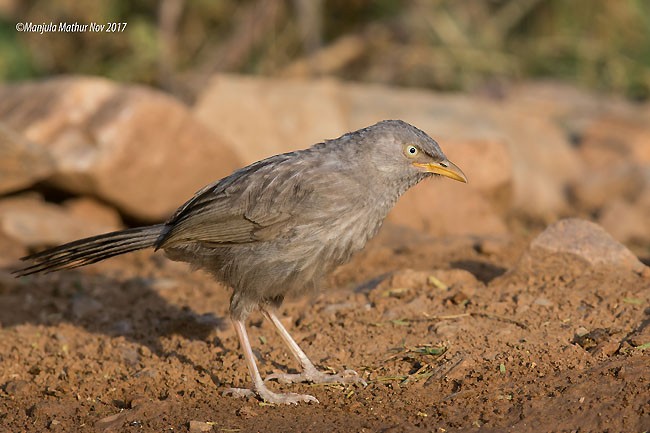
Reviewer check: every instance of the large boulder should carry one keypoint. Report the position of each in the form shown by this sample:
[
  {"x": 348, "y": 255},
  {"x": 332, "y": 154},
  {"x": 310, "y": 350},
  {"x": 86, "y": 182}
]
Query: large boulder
[
  {"x": 131, "y": 146},
  {"x": 262, "y": 117},
  {"x": 31, "y": 222},
  {"x": 439, "y": 207},
  {"x": 522, "y": 159},
  {"x": 627, "y": 222},
  {"x": 616, "y": 152},
  {"x": 467, "y": 137},
  {"x": 22, "y": 162}
]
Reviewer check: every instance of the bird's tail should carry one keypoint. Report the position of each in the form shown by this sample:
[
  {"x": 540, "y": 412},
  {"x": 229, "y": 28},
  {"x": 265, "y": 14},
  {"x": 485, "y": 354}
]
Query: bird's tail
[{"x": 91, "y": 250}]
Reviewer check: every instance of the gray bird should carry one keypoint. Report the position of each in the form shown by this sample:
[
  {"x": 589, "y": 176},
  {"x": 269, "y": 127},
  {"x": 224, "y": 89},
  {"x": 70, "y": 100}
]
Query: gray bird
[{"x": 277, "y": 227}]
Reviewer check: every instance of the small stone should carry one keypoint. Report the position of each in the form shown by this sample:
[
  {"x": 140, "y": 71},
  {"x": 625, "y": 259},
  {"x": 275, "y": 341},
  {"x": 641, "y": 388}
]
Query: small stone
[
  {"x": 584, "y": 241},
  {"x": 144, "y": 351},
  {"x": 246, "y": 412},
  {"x": 492, "y": 245},
  {"x": 17, "y": 388},
  {"x": 543, "y": 302},
  {"x": 607, "y": 349},
  {"x": 459, "y": 298},
  {"x": 130, "y": 355},
  {"x": 200, "y": 427},
  {"x": 137, "y": 400}
]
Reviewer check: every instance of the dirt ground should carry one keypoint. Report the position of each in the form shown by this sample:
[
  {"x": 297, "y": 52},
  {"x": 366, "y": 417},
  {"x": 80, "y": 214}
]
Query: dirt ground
[{"x": 451, "y": 335}]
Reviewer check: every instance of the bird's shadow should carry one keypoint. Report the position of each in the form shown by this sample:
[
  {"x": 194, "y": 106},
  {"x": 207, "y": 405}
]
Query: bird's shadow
[{"x": 102, "y": 304}]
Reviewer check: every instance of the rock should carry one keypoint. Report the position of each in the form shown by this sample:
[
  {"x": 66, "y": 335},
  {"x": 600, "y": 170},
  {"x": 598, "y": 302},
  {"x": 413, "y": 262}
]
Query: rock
[
  {"x": 292, "y": 114},
  {"x": 246, "y": 412},
  {"x": 32, "y": 222},
  {"x": 261, "y": 117},
  {"x": 492, "y": 245},
  {"x": 18, "y": 388},
  {"x": 489, "y": 162},
  {"x": 552, "y": 99},
  {"x": 587, "y": 242},
  {"x": 614, "y": 171},
  {"x": 529, "y": 158},
  {"x": 616, "y": 149},
  {"x": 442, "y": 207},
  {"x": 599, "y": 187},
  {"x": 445, "y": 116},
  {"x": 625, "y": 222},
  {"x": 10, "y": 250},
  {"x": 88, "y": 209},
  {"x": 133, "y": 147},
  {"x": 627, "y": 134},
  {"x": 199, "y": 427},
  {"x": 482, "y": 151},
  {"x": 22, "y": 162},
  {"x": 544, "y": 163}
]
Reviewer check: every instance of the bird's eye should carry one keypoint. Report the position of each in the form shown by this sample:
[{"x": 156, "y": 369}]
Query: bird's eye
[{"x": 411, "y": 150}]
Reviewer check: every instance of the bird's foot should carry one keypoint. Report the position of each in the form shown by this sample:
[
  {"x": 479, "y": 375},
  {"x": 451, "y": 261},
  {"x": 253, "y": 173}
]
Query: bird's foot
[
  {"x": 269, "y": 396},
  {"x": 315, "y": 376}
]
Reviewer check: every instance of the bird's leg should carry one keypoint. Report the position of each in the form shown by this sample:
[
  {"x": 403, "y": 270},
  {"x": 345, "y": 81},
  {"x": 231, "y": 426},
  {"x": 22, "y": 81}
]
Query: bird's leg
[
  {"x": 259, "y": 388},
  {"x": 309, "y": 372}
]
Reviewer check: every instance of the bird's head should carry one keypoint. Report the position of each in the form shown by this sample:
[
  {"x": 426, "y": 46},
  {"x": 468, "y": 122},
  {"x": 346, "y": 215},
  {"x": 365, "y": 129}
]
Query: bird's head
[{"x": 402, "y": 150}]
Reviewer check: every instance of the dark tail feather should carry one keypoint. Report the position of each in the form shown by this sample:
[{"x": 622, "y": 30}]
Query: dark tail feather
[{"x": 91, "y": 250}]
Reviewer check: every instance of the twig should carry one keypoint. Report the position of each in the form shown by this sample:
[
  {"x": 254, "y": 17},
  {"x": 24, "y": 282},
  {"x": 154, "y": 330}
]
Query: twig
[
  {"x": 439, "y": 373},
  {"x": 446, "y": 317},
  {"x": 500, "y": 318},
  {"x": 472, "y": 314}
]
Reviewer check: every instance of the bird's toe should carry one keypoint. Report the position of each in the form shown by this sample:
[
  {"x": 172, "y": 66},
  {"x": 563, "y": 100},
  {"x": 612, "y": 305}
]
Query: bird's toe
[
  {"x": 239, "y": 392},
  {"x": 351, "y": 376},
  {"x": 286, "y": 378}
]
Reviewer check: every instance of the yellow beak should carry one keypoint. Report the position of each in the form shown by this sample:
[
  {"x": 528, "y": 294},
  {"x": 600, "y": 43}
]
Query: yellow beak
[{"x": 444, "y": 168}]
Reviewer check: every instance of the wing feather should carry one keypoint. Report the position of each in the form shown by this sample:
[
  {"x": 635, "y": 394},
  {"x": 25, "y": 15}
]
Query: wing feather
[{"x": 258, "y": 202}]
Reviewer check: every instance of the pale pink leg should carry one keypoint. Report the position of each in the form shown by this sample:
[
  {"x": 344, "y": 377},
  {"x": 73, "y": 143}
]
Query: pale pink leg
[
  {"x": 309, "y": 372},
  {"x": 259, "y": 388}
]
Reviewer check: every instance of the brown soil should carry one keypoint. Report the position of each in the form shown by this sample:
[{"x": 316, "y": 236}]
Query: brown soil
[{"x": 449, "y": 333}]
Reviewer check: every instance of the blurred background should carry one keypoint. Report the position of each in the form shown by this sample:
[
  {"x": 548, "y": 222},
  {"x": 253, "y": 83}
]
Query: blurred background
[
  {"x": 543, "y": 103},
  {"x": 438, "y": 44}
]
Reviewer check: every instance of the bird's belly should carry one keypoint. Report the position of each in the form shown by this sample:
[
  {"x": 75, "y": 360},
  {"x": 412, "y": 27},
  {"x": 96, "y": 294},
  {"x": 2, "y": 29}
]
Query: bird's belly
[{"x": 289, "y": 266}]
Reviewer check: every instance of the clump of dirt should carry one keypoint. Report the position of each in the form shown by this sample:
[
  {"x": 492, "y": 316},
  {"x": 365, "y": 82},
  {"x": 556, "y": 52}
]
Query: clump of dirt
[{"x": 450, "y": 334}]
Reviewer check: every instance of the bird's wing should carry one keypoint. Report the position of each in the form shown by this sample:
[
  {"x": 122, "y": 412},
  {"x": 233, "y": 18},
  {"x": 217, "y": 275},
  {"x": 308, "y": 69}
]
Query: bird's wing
[{"x": 256, "y": 203}]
